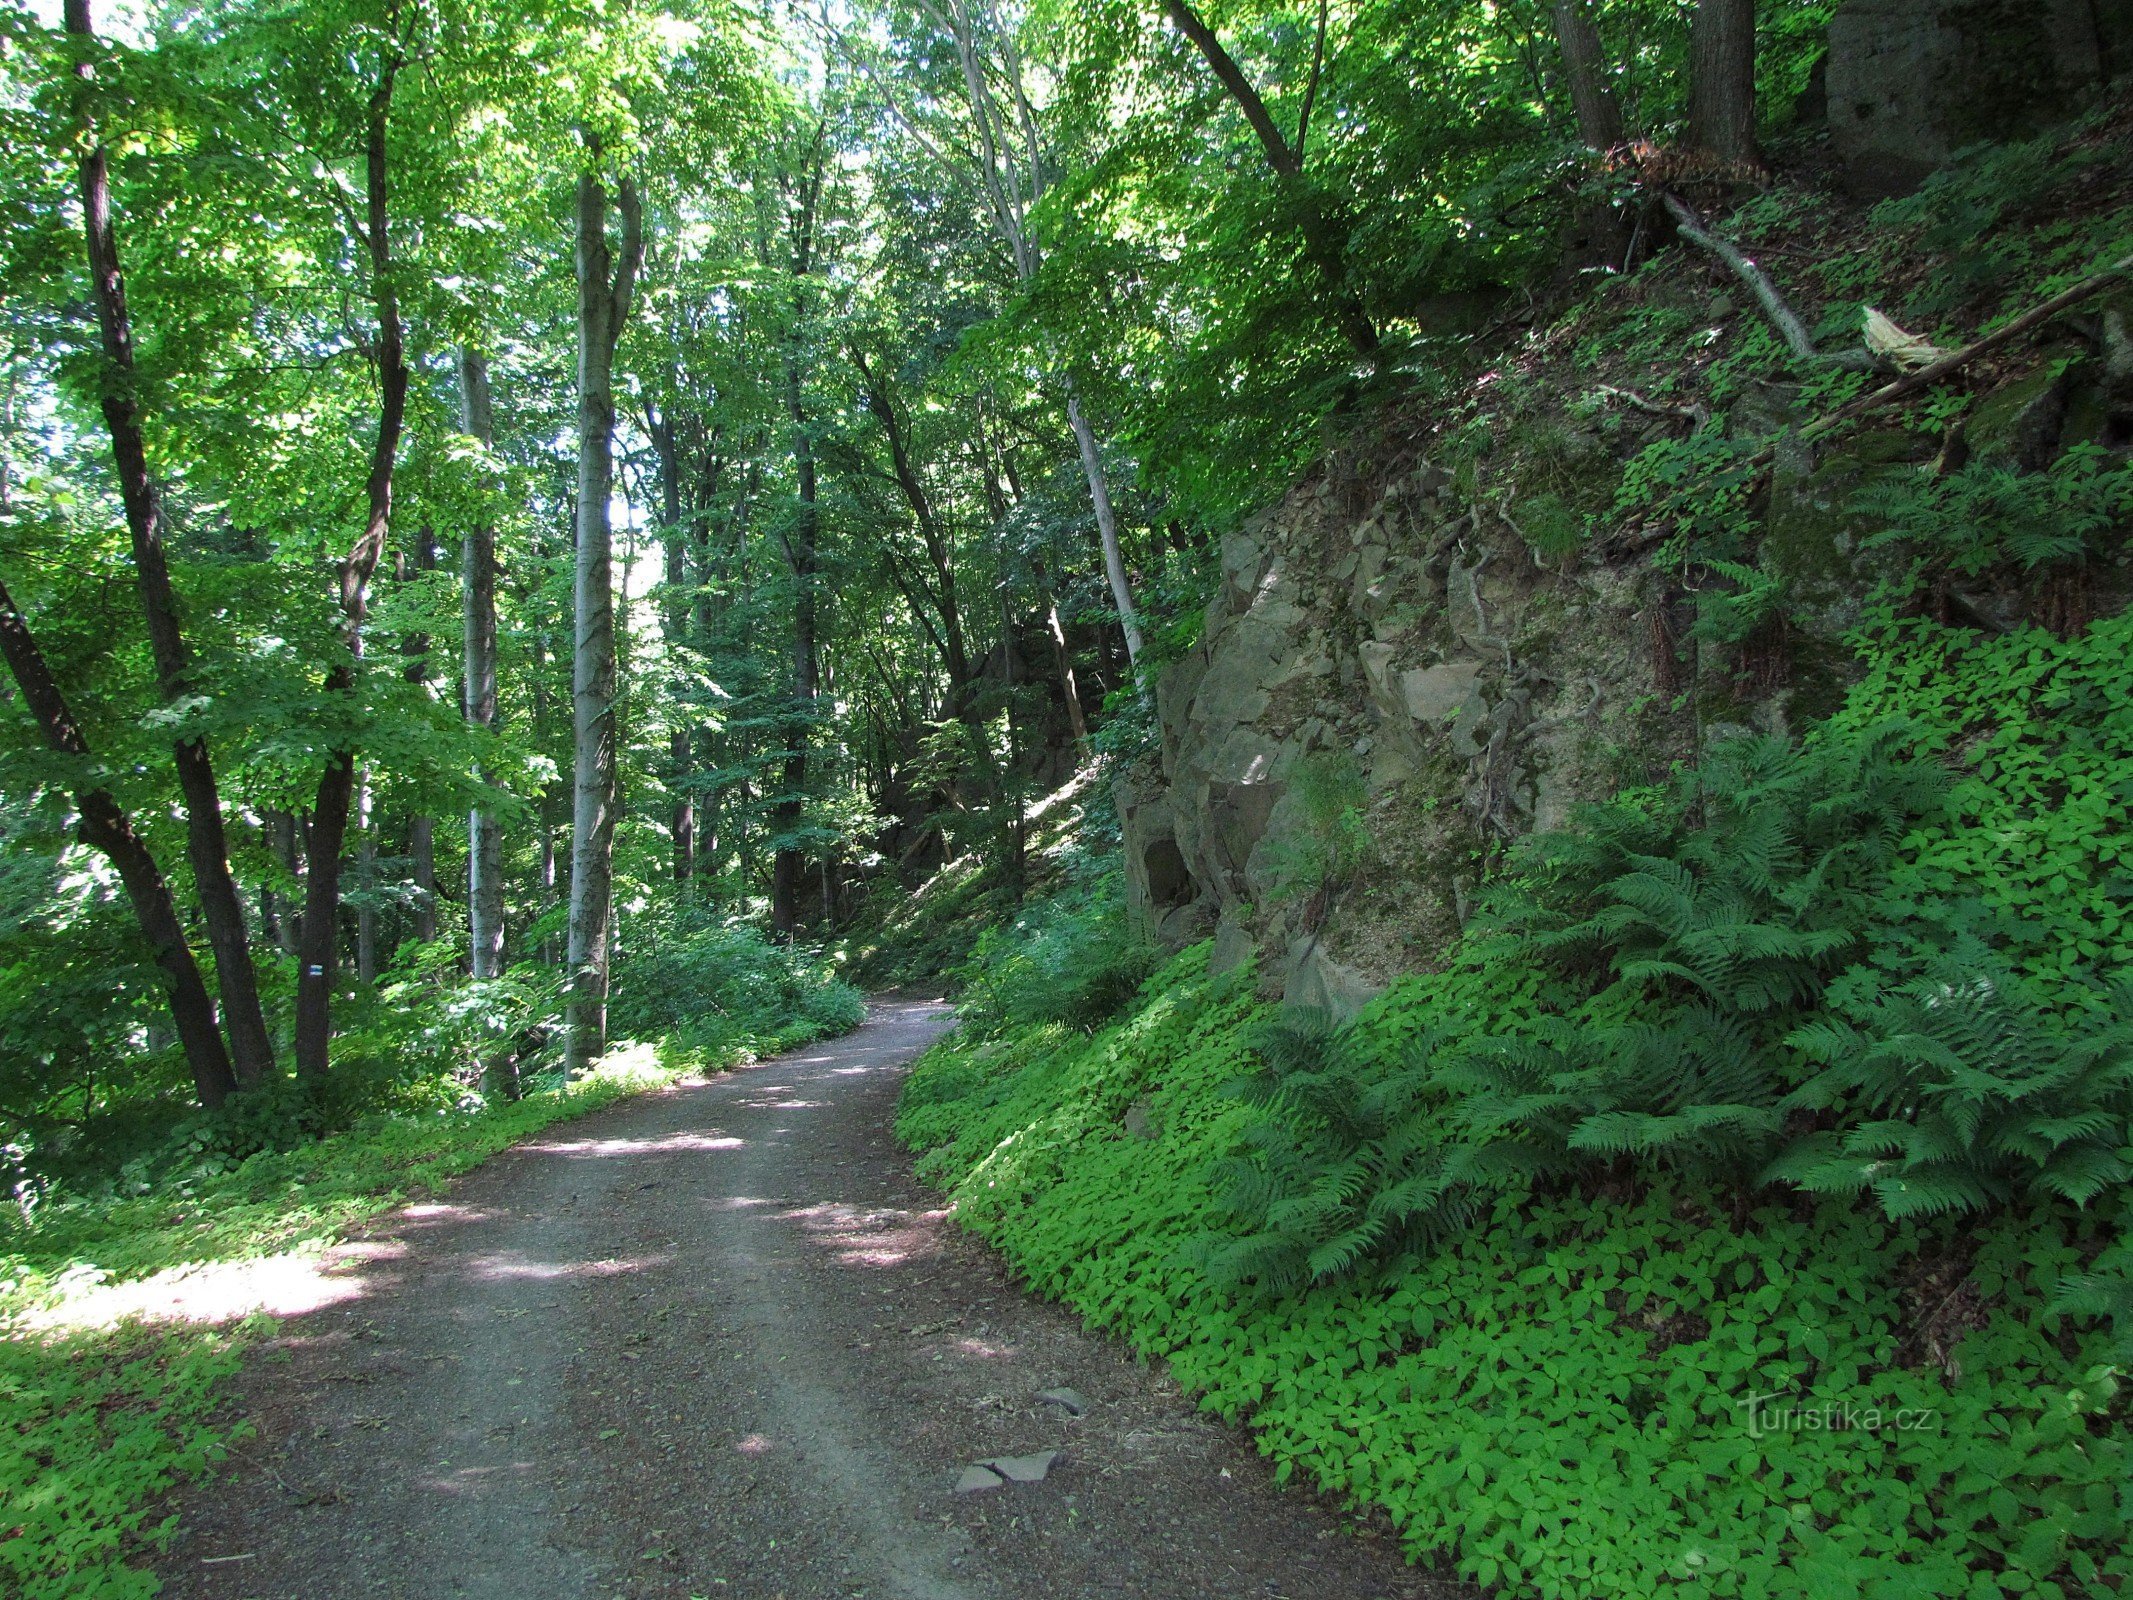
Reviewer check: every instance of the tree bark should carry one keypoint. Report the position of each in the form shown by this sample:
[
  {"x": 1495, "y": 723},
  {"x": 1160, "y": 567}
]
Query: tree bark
[
  {"x": 605, "y": 287},
  {"x": 326, "y": 833},
  {"x": 1585, "y": 71},
  {"x": 366, "y": 879},
  {"x": 477, "y": 559},
  {"x": 788, "y": 862},
  {"x": 1722, "y": 81},
  {"x": 207, "y": 845},
  {"x": 1092, "y": 467},
  {"x": 422, "y": 830},
  {"x": 674, "y": 630},
  {"x": 105, "y": 827},
  {"x": 801, "y": 540}
]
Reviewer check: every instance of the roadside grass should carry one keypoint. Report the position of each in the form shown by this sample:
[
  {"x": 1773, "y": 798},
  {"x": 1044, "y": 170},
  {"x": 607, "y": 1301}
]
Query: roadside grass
[{"x": 99, "y": 1419}]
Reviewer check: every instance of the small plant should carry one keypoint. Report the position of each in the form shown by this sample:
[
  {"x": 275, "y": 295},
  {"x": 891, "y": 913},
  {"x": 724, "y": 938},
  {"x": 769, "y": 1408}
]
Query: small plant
[
  {"x": 1987, "y": 516},
  {"x": 1074, "y": 959}
]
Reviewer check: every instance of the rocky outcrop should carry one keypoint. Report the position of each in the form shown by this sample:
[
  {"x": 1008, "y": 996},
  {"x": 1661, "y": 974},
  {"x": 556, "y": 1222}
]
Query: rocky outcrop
[
  {"x": 1911, "y": 82},
  {"x": 1389, "y": 686}
]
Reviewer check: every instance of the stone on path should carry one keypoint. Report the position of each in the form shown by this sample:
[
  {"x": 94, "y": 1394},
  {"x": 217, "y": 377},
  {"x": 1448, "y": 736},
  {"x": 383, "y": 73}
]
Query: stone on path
[
  {"x": 1023, "y": 1469},
  {"x": 977, "y": 1479},
  {"x": 1067, "y": 1400}
]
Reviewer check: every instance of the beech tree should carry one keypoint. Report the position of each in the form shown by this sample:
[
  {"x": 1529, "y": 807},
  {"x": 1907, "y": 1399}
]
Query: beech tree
[{"x": 607, "y": 279}]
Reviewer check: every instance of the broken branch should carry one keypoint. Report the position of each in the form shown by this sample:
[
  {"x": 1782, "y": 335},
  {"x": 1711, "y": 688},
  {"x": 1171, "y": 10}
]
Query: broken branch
[
  {"x": 1940, "y": 369},
  {"x": 1782, "y": 317}
]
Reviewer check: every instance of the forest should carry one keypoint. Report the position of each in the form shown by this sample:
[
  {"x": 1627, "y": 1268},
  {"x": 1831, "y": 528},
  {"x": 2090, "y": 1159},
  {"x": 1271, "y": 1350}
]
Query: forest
[{"x": 1483, "y": 642}]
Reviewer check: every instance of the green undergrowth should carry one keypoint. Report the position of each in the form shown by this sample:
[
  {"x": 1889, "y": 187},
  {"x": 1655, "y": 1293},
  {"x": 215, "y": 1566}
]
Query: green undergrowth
[
  {"x": 1560, "y": 1401},
  {"x": 96, "y": 1423},
  {"x": 1741, "y": 1210}
]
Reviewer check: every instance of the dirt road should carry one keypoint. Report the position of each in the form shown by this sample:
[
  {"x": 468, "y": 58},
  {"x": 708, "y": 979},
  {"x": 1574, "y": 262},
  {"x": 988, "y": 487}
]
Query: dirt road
[{"x": 716, "y": 1342}]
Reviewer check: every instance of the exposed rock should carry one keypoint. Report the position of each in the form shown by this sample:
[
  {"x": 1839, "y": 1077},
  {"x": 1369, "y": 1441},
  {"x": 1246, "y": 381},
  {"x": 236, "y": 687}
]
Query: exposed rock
[
  {"x": 977, "y": 1479},
  {"x": 1022, "y": 1469},
  {"x": 1316, "y": 982},
  {"x": 1913, "y": 81},
  {"x": 1067, "y": 1400},
  {"x": 1233, "y": 944}
]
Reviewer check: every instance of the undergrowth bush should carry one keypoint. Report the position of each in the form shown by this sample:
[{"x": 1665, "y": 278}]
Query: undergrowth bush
[
  {"x": 721, "y": 987},
  {"x": 1741, "y": 1210},
  {"x": 1074, "y": 959},
  {"x": 98, "y": 1421}
]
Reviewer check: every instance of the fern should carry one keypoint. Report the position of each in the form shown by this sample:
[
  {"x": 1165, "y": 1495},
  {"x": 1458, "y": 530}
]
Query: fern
[{"x": 1962, "y": 1092}]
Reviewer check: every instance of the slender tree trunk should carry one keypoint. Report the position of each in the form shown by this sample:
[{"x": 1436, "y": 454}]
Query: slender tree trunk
[
  {"x": 1722, "y": 81},
  {"x": 674, "y": 630},
  {"x": 366, "y": 879},
  {"x": 422, "y": 830},
  {"x": 207, "y": 846},
  {"x": 105, "y": 827},
  {"x": 788, "y": 862},
  {"x": 281, "y": 840},
  {"x": 605, "y": 286},
  {"x": 318, "y": 957},
  {"x": 1092, "y": 468},
  {"x": 485, "y": 840},
  {"x": 1585, "y": 72},
  {"x": 1062, "y": 662},
  {"x": 801, "y": 540}
]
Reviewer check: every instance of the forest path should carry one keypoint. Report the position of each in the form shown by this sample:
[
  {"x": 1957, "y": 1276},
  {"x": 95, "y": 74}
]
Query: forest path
[{"x": 716, "y": 1341}]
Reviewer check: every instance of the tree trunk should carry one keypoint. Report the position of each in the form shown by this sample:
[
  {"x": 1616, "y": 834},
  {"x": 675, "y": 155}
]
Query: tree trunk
[
  {"x": 106, "y": 828},
  {"x": 605, "y": 286},
  {"x": 1585, "y": 71},
  {"x": 788, "y": 862},
  {"x": 318, "y": 957},
  {"x": 674, "y": 630},
  {"x": 280, "y": 830},
  {"x": 207, "y": 845},
  {"x": 1062, "y": 662},
  {"x": 801, "y": 540},
  {"x": 366, "y": 879},
  {"x": 421, "y": 830},
  {"x": 485, "y": 839},
  {"x": 1722, "y": 81},
  {"x": 1092, "y": 467}
]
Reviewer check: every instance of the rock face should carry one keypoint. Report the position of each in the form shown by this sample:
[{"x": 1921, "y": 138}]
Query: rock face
[
  {"x": 1388, "y": 686},
  {"x": 1913, "y": 81}
]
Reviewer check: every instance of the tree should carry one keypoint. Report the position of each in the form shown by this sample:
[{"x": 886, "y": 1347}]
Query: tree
[
  {"x": 104, "y": 826},
  {"x": 326, "y": 829},
  {"x": 477, "y": 563},
  {"x": 251, "y": 1051},
  {"x": 606, "y": 278},
  {"x": 1599, "y": 114},
  {"x": 1324, "y": 235},
  {"x": 1012, "y": 168},
  {"x": 1722, "y": 81}
]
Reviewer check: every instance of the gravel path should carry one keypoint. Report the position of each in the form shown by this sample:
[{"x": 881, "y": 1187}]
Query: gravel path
[{"x": 717, "y": 1342}]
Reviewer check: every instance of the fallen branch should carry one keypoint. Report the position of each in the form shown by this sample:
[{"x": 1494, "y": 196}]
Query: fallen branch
[
  {"x": 1970, "y": 352},
  {"x": 1653, "y": 408},
  {"x": 1782, "y": 317}
]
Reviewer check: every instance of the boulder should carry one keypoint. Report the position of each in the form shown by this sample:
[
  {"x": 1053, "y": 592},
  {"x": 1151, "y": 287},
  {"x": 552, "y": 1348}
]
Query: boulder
[
  {"x": 1314, "y": 981},
  {"x": 1911, "y": 82}
]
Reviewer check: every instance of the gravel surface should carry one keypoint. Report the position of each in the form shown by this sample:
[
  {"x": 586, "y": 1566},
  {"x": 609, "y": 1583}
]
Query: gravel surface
[{"x": 717, "y": 1342}]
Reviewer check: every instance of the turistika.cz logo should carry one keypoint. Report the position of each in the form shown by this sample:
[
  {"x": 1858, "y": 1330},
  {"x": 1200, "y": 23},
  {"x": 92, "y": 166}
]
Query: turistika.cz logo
[{"x": 1779, "y": 1412}]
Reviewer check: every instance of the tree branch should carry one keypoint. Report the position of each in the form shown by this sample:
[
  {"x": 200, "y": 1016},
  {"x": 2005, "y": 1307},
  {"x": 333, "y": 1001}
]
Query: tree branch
[{"x": 1782, "y": 317}]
